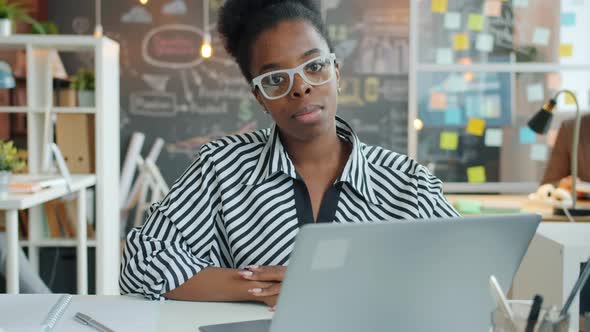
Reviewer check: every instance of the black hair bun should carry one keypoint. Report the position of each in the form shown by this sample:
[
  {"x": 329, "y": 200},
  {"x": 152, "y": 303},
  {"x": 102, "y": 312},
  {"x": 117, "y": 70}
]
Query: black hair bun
[{"x": 236, "y": 15}]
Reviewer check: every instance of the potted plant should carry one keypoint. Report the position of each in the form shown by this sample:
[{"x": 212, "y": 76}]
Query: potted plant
[
  {"x": 10, "y": 13},
  {"x": 83, "y": 83},
  {"x": 9, "y": 163}
]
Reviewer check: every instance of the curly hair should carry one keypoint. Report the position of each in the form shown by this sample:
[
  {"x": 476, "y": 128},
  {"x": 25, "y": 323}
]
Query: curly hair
[{"x": 241, "y": 21}]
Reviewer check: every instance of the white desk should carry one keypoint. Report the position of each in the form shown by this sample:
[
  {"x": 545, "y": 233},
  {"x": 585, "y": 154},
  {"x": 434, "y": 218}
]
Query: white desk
[
  {"x": 130, "y": 314},
  {"x": 15, "y": 202}
]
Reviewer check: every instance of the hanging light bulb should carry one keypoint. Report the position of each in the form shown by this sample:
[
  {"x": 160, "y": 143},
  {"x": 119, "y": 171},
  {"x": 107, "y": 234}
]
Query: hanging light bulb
[
  {"x": 418, "y": 124},
  {"x": 143, "y": 2},
  {"x": 206, "y": 49}
]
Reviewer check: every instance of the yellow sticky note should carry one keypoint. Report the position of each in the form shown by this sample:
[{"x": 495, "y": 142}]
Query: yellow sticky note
[
  {"x": 476, "y": 174},
  {"x": 439, "y": 6},
  {"x": 449, "y": 140},
  {"x": 566, "y": 50},
  {"x": 569, "y": 99},
  {"x": 438, "y": 101},
  {"x": 476, "y": 126},
  {"x": 475, "y": 22},
  {"x": 461, "y": 42}
]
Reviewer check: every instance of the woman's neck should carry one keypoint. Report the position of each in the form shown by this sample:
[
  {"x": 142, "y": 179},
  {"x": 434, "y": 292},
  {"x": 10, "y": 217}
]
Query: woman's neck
[{"x": 324, "y": 150}]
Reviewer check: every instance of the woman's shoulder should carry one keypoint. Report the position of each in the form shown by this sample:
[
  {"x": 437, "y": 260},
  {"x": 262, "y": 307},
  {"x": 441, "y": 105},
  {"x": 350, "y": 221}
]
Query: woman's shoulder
[
  {"x": 383, "y": 158},
  {"x": 249, "y": 140}
]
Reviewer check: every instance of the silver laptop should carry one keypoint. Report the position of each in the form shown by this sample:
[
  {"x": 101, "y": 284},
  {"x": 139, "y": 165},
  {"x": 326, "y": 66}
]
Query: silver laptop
[{"x": 426, "y": 276}]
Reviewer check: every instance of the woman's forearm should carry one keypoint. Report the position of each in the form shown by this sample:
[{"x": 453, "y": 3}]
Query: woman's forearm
[{"x": 216, "y": 285}]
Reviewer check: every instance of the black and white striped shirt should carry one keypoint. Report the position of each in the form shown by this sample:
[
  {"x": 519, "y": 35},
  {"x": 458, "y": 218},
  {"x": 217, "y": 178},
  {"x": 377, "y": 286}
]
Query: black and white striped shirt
[{"x": 242, "y": 202}]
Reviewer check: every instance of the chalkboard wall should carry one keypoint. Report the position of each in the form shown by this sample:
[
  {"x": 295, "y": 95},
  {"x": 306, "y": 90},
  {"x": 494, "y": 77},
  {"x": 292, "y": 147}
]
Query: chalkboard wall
[{"x": 168, "y": 91}]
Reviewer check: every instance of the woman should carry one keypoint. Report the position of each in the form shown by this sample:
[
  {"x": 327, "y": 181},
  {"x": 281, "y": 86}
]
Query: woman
[{"x": 227, "y": 227}]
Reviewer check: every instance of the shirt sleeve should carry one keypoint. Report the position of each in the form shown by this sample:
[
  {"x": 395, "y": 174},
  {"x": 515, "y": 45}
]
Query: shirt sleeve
[
  {"x": 431, "y": 200},
  {"x": 176, "y": 241}
]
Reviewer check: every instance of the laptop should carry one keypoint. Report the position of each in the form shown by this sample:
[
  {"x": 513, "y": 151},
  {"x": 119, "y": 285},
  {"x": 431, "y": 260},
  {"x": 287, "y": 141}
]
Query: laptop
[{"x": 427, "y": 275}]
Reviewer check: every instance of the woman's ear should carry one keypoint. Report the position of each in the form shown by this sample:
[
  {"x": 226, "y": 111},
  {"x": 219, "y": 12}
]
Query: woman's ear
[
  {"x": 260, "y": 99},
  {"x": 337, "y": 68}
]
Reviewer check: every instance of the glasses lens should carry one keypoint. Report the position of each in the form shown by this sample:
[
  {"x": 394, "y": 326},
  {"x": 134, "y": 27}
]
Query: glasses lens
[
  {"x": 319, "y": 71},
  {"x": 276, "y": 84}
]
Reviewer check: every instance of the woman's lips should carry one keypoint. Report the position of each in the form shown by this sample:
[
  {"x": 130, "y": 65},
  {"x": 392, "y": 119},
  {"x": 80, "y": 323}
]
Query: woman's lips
[{"x": 308, "y": 113}]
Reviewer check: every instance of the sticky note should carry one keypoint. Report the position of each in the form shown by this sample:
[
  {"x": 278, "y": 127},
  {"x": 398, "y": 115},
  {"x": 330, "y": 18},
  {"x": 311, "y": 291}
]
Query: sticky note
[
  {"x": 520, "y": 3},
  {"x": 566, "y": 50},
  {"x": 484, "y": 42},
  {"x": 461, "y": 42},
  {"x": 465, "y": 206},
  {"x": 438, "y": 101},
  {"x": 554, "y": 81},
  {"x": 568, "y": 19},
  {"x": 475, "y": 22},
  {"x": 452, "y": 21},
  {"x": 439, "y": 6},
  {"x": 569, "y": 99},
  {"x": 491, "y": 106},
  {"x": 526, "y": 135},
  {"x": 455, "y": 83},
  {"x": 494, "y": 137},
  {"x": 476, "y": 174},
  {"x": 449, "y": 140},
  {"x": 539, "y": 152},
  {"x": 476, "y": 126},
  {"x": 453, "y": 116},
  {"x": 541, "y": 36},
  {"x": 492, "y": 8},
  {"x": 444, "y": 56},
  {"x": 472, "y": 106},
  {"x": 535, "y": 92}
]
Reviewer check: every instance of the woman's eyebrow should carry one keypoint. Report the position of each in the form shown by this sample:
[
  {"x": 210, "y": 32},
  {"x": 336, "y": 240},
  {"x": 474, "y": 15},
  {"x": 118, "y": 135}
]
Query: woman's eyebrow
[{"x": 276, "y": 65}]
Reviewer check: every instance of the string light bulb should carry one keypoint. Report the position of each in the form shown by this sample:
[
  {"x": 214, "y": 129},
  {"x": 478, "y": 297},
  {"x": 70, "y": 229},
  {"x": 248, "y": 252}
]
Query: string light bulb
[
  {"x": 143, "y": 2},
  {"x": 206, "y": 49}
]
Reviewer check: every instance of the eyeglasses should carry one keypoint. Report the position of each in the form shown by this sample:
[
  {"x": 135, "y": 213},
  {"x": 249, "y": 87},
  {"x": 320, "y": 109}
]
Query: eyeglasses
[{"x": 277, "y": 84}]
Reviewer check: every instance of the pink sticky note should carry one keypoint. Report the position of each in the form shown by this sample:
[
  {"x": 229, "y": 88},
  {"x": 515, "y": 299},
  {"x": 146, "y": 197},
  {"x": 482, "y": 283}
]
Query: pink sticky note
[
  {"x": 554, "y": 81},
  {"x": 438, "y": 101},
  {"x": 492, "y": 8}
]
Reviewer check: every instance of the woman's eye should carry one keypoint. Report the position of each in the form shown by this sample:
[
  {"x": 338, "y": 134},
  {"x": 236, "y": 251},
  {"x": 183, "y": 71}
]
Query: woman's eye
[
  {"x": 275, "y": 80},
  {"x": 316, "y": 66}
]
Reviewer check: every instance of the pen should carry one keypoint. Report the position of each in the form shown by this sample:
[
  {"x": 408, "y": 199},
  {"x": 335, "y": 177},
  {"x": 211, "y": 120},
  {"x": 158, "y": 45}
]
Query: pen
[
  {"x": 534, "y": 314},
  {"x": 581, "y": 281},
  {"x": 87, "y": 320},
  {"x": 501, "y": 301}
]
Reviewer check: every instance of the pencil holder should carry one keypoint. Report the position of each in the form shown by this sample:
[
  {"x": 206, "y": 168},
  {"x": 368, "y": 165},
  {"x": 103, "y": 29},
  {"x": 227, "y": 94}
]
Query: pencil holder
[{"x": 521, "y": 309}]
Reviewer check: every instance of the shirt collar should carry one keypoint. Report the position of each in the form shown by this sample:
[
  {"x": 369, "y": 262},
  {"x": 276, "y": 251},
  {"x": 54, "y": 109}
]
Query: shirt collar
[{"x": 274, "y": 158}]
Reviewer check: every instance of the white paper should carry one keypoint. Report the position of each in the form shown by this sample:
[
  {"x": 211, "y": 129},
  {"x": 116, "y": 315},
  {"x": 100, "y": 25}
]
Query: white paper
[
  {"x": 539, "y": 152},
  {"x": 444, "y": 56},
  {"x": 485, "y": 42},
  {"x": 494, "y": 137},
  {"x": 452, "y": 21},
  {"x": 541, "y": 36},
  {"x": 535, "y": 92}
]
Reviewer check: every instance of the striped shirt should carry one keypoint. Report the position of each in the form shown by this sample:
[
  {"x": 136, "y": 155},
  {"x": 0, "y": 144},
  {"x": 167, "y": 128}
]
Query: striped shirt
[{"x": 242, "y": 202}]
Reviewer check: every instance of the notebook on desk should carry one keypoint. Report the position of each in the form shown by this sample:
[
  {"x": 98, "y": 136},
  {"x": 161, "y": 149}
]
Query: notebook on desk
[{"x": 23, "y": 313}]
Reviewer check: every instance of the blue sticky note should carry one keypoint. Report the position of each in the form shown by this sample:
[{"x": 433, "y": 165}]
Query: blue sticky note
[
  {"x": 453, "y": 116},
  {"x": 527, "y": 136},
  {"x": 568, "y": 19}
]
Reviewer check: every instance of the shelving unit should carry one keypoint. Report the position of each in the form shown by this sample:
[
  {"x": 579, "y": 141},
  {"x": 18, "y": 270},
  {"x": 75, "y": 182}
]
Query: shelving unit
[{"x": 39, "y": 90}]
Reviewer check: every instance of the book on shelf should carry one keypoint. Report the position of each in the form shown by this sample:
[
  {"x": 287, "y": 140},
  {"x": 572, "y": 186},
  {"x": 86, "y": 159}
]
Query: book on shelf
[
  {"x": 61, "y": 219},
  {"x": 28, "y": 183}
]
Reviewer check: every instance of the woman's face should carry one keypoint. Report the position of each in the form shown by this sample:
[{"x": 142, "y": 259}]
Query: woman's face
[{"x": 307, "y": 111}]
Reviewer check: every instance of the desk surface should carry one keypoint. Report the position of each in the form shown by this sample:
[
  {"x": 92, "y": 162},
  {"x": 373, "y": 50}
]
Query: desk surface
[
  {"x": 130, "y": 313},
  {"x": 521, "y": 202}
]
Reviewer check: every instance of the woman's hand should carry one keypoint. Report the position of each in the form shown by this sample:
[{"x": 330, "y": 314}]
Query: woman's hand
[{"x": 267, "y": 274}]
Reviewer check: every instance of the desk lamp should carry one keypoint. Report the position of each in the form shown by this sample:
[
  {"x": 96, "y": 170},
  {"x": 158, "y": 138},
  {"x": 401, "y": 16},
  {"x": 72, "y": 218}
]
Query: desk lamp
[{"x": 540, "y": 123}]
